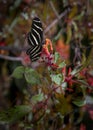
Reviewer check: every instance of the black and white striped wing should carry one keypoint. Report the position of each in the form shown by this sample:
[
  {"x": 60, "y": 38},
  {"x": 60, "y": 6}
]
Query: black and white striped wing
[
  {"x": 34, "y": 52},
  {"x": 35, "y": 36}
]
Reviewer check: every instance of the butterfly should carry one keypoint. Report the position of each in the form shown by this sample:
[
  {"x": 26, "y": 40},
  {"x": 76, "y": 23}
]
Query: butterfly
[{"x": 35, "y": 40}]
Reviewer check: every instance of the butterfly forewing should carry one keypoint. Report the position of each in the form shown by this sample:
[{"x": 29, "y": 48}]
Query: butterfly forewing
[{"x": 35, "y": 38}]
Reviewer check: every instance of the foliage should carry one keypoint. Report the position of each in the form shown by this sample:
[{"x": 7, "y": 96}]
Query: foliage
[
  {"x": 14, "y": 114},
  {"x": 18, "y": 72},
  {"x": 55, "y": 92}
]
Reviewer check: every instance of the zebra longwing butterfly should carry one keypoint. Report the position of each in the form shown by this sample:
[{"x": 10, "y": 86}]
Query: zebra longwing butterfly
[{"x": 35, "y": 39}]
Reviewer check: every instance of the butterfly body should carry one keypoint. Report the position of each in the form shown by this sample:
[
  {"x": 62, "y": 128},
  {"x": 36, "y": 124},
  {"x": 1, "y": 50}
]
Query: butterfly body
[{"x": 35, "y": 40}]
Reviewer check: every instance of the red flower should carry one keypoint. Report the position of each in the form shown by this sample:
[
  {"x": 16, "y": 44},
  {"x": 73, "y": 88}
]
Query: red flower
[
  {"x": 68, "y": 76},
  {"x": 91, "y": 114},
  {"x": 62, "y": 49},
  {"x": 45, "y": 49},
  {"x": 47, "y": 56},
  {"x": 25, "y": 59},
  {"x": 83, "y": 72},
  {"x": 82, "y": 127},
  {"x": 90, "y": 80},
  {"x": 2, "y": 43}
]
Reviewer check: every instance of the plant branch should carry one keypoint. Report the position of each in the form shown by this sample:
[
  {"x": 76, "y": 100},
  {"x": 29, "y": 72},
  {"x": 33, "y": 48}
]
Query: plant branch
[
  {"x": 55, "y": 11},
  {"x": 56, "y": 21},
  {"x": 11, "y": 48},
  {"x": 19, "y": 59}
]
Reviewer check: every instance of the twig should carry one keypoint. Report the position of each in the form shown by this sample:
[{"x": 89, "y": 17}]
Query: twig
[
  {"x": 52, "y": 5},
  {"x": 55, "y": 21},
  {"x": 10, "y": 48},
  {"x": 88, "y": 6},
  {"x": 55, "y": 11},
  {"x": 11, "y": 58}
]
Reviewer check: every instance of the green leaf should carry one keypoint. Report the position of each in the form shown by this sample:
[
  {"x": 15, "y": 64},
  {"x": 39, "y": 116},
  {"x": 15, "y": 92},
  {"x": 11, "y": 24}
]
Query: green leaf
[
  {"x": 18, "y": 72},
  {"x": 30, "y": 116},
  {"x": 83, "y": 88},
  {"x": 58, "y": 78},
  {"x": 75, "y": 71},
  {"x": 32, "y": 76},
  {"x": 89, "y": 99},
  {"x": 69, "y": 34},
  {"x": 37, "y": 98},
  {"x": 78, "y": 17},
  {"x": 56, "y": 55},
  {"x": 14, "y": 114},
  {"x": 75, "y": 26},
  {"x": 17, "y": 3},
  {"x": 62, "y": 64},
  {"x": 84, "y": 83},
  {"x": 58, "y": 35},
  {"x": 79, "y": 102}
]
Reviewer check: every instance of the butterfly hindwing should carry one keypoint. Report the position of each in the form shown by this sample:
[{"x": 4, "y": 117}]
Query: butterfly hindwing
[{"x": 34, "y": 52}]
